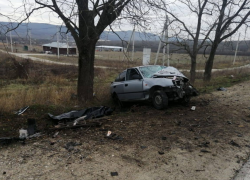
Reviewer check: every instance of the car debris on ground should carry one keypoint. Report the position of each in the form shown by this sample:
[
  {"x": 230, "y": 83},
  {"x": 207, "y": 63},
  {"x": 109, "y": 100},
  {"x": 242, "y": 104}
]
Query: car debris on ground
[
  {"x": 221, "y": 89},
  {"x": 21, "y": 111},
  {"x": 76, "y": 119}
]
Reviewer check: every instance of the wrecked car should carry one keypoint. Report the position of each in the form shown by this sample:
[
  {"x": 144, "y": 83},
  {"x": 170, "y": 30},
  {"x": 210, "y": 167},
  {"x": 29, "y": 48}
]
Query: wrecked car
[{"x": 154, "y": 83}]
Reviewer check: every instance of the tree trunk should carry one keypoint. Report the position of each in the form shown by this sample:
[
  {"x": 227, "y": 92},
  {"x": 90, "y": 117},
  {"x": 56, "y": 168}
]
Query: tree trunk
[
  {"x": 193, "y": 70},
  {"x": 86, "y": 70},
  {"x": 209, "y": 63}
]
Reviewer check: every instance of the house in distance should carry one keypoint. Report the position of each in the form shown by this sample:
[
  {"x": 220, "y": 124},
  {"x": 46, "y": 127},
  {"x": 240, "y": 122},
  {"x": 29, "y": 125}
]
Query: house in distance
[{"x": 51, "y": 48}]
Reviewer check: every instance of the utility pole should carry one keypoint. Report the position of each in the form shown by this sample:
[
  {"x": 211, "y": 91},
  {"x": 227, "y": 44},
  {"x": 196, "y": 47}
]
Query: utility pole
[
  {"x": 164, "y": 38},
  {"x": 133, "y": 46},
  {"x": 11, "y": 42},
  {"x": 7, "y": 42},
  {"x": 67, "y": 45},
  {"x": 57, "y": 35},
  {"x": 30, "y": 39},
  {"x": 236, "y": 50},
  {"x": 132, "y": 35}
]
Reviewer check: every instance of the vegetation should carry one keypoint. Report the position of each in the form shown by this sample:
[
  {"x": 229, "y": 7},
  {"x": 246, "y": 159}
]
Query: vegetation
[{"x": 55, "y": 85}]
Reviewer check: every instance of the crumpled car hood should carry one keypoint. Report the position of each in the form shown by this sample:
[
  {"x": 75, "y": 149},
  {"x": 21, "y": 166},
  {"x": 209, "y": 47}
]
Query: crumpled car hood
[{"x": 169, "y": 71}]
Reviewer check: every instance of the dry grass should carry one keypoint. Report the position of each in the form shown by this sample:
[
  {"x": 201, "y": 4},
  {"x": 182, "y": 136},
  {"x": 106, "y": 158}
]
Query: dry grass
[
  {"x": 180, "y": 61},
  {"x": 56, "y": 84},
  {"x": 19, "y": 48}
]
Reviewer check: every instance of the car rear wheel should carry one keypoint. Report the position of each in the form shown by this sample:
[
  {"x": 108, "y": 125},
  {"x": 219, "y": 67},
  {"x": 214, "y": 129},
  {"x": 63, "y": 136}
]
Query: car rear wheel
[{"x": 160, "y": 99}]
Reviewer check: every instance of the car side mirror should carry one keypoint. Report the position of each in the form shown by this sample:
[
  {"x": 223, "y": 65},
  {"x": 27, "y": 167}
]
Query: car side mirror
[{"x": 136, "y": 76}]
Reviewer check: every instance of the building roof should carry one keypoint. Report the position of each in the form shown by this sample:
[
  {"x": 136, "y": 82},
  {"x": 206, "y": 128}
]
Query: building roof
[
  {"x": 110, "y": 47},
  {"x": 54, "y": 44}
]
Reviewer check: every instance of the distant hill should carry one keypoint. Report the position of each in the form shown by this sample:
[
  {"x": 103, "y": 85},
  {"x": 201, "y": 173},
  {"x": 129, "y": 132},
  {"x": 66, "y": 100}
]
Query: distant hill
[{"x": 48, "y": 31}]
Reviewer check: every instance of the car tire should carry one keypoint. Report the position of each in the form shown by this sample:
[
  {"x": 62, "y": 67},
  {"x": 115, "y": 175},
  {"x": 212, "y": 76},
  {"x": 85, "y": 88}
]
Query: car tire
[{"x": 160, "y": 99}]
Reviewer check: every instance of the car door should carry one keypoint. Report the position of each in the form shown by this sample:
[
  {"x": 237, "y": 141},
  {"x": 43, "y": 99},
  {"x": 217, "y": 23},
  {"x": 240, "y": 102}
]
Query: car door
[
  {"x": 133, "y": 88},
  {"x": 118, "y": 86}
]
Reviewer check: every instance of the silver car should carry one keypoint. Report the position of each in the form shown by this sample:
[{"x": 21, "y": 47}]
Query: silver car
[{"x": 158, "y": 84}]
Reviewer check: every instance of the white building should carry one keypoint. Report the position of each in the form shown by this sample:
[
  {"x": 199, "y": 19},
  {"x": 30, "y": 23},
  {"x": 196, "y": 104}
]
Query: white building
[{"x": 109, "y": 48}]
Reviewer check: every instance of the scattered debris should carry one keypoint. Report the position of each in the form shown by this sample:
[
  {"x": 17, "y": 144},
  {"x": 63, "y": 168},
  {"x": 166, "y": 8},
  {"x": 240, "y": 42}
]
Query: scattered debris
[
  {"x": 22, "y": 110},
  {"x": 161, "y": 152},
  {"x": 205, "y": 151},
  {"x": 229, "y": 122},
  {"x": 23, "y": 133},
  {"x": 70, "y": 145},
  {"x": 34, "y": 135},
  {"x": 31, "y": 126},
  {"x": 90, "y": 113},
  {"x": 164, "y": 138},
  {"x": 56, "y": 134},
  {"x": 143, "y": 147},
  {"x": 221, "y": 89},
  {"x": 193, "y": 108},
  {"x": 79, "y": 119},
  {"x": 109, "y": 133},
  {"x": 198, "y": 170},
  {"x": 234, "y": 143},
  {"x": 204, "y": 144},
  {"x": 114, "y": 173},
  {"x": 114, "y": 136}
]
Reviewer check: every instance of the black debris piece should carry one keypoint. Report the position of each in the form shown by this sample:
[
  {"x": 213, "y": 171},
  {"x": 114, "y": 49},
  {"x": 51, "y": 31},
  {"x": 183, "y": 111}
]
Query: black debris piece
[
  {"x": 4, "y": 173},
  {"x": 143, "y": 147},
  {"x": 204, "y": 144},
  {"x": 161, "y": 152},
  {"x": 9, "y": 140},
  {"x": 164, "y": 138},
  {"x": 31, "y": 126},
  {"x": 5, "y": 140},
  {"x": 234, "y": 143},
  {"x": 114, "y": 137},
  {"x": 114, "y": 173},
  {"x": 205, "y": 151},
  {"x": 221, "y": 89},
  {"x": 90, "y": 113}
]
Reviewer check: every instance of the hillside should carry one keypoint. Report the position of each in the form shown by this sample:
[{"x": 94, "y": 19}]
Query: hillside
[{"x": 48, "y": 31}]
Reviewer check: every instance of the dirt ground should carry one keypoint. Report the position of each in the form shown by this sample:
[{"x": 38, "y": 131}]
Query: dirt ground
[{"x": 210, "y": 143}]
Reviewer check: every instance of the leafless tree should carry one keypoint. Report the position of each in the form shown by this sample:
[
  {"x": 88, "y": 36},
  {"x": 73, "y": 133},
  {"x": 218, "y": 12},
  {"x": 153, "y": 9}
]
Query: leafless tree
[
  {"x": 232, "y": 15},
  {"x": 190, "y": 36},
  {"x": 85, "y": 20},
  {"x": 209, "y": 24}
]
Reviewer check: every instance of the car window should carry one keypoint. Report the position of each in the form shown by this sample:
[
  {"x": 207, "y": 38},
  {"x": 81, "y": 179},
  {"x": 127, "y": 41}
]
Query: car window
[
  {"x": 130, "y": 73},
  {"x": 121, "y": 77},
  {"x": 149, "y": 71}
]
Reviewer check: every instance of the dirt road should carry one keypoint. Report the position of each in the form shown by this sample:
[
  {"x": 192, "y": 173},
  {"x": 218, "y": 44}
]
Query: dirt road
[{"x": 210, "y": 143}]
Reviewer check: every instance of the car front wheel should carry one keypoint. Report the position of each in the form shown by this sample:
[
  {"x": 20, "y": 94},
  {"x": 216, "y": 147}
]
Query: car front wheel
[{"x": 160, "y": 99}]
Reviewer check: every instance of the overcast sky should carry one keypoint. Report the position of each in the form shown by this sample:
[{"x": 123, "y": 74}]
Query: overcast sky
[{"x": 42, "y": 16}]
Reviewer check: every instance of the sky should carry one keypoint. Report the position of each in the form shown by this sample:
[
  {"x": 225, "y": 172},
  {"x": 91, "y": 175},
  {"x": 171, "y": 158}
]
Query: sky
[{"x": 155, "y": 26}]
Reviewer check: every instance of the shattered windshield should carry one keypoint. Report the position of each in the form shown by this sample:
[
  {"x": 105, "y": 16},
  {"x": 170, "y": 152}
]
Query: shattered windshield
[{"x": 149, "y": 71}]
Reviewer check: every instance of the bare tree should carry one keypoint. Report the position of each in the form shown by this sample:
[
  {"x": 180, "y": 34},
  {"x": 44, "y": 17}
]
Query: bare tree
[
  {"x": 190, "y": 36},
  {"x": 232, "y": 14},
  {"x": 85, "y": 20},
  {"x": 211, "y": 22}
]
